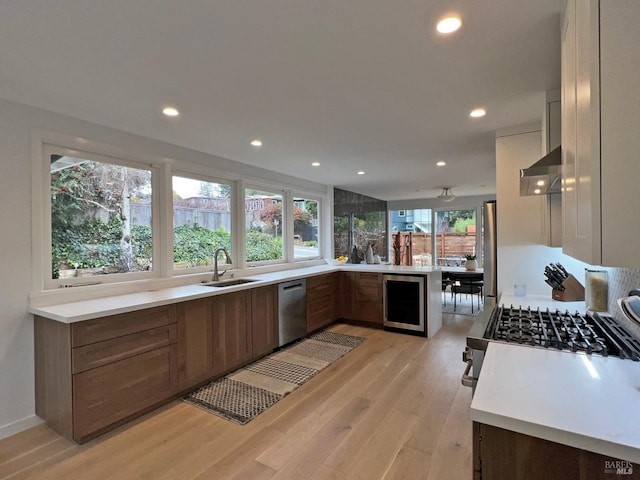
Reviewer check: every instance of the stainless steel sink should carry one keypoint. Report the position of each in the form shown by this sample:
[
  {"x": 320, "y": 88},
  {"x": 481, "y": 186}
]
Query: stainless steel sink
[{"x": 228, "y": 283}]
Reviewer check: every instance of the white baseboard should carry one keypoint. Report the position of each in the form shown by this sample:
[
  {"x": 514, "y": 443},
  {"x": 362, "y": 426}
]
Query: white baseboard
[{"x": 19, "y": 426}]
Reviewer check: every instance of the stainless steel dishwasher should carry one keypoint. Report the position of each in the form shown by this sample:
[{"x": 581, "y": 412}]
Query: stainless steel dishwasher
[{"x": 292, "y": 310}]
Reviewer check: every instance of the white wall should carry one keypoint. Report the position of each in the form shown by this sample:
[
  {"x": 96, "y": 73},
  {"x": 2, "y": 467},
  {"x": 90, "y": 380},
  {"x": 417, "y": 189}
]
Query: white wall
[
  {"x": 17, "y": 122},
  {"x": 520, "y": 220},
  {"x": 16, "y": 340}
]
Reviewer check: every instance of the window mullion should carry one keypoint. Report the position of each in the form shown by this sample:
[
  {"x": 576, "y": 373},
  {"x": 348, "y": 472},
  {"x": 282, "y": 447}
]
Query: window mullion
[
  {"x": 165, "y": 222},
  {"x": 239, "y": 233}
]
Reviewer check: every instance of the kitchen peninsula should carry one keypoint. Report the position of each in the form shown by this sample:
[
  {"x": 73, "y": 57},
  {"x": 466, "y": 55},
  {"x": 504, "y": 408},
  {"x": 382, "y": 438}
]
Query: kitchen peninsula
[
  {"x": 552, "y": 411},
  {"x": 105, "y": 361}
]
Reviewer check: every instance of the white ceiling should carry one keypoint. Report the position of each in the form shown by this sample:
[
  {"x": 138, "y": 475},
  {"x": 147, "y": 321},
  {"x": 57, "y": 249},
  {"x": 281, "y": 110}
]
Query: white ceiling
[{"x": 354, "y": 84}]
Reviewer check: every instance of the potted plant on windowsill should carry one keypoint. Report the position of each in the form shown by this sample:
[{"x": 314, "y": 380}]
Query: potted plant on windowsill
[{"x": 471, "y": 263}]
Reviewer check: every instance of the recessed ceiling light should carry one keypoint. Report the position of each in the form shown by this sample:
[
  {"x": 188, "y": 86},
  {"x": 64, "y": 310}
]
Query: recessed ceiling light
[
  {"x": 449, "y": 24},
  {"x": 170, "y": 111},
  {"x": 536, "y": 191},
  {"x": 361, "y": 172},
  {"x": 441, "y": 163},
  {"x": 478, "y": 112},
  {"x": 540, "y": 183},
  {"x": 256, "y": 143},
  {"x": 315, "y": 164}
]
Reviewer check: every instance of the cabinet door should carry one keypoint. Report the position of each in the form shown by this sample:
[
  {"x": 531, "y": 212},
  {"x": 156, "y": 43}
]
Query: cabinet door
[
  {"x": 109, "y": 394},
  {"x": 620, "y": 123},
  {"x": 322, "y": 302},
  {"x": 501, "y": 454},
  {"x": 569, "y": 147},
  {"x": 368, "y": 297},
  {"x": 195, "y": 342},
  {"x": 264, "y": 320},
  {"x": 345, "y": 295},
  {"x": 320, "y": 313},
  {"x": 232, "y": 337},
  {"x": 581, "y": 132},
  {"x": 368, "y": 287}
]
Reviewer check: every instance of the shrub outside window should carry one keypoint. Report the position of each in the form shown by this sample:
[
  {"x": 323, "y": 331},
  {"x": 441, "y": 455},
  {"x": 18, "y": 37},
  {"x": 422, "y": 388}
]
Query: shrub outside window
[
  {"x": 202, "y": 220},
  {"x": 101, "y": 218},
  {"x": 305, "y": 229},
  {"x": 264, "y": 226}
]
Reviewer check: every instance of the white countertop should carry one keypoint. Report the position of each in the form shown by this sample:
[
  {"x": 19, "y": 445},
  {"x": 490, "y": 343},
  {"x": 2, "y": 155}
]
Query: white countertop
[
  {"x": 585, "y": 401},
  {"x": 100, "y": 307}
]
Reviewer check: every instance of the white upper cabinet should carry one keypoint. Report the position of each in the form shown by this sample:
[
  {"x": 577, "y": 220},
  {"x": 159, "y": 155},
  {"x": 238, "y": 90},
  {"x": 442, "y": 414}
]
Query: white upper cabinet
[{"x": 601, "y": 131}]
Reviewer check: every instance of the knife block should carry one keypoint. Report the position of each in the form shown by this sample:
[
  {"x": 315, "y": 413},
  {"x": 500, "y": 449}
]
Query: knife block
[{"x": 573, "y": 291}]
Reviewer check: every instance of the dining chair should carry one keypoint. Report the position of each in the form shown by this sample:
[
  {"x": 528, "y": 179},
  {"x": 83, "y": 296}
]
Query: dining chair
[
  {"x": 446, "y": 281},
  {"x": 466, "y": 283}
]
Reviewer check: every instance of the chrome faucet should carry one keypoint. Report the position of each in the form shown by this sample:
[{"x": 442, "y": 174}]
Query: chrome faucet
[{"x": 216, "y": 275}]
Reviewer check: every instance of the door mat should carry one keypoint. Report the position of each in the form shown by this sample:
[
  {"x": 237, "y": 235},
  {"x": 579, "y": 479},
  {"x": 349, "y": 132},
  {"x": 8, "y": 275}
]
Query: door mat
[{"x": 244, "y": 394}]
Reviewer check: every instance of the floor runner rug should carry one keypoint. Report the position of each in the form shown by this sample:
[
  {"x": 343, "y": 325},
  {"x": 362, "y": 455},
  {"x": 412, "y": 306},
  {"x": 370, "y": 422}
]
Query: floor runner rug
[{"x": 244, "y": 394}]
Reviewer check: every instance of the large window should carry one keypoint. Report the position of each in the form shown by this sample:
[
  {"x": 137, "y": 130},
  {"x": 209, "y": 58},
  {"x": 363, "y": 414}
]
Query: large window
[
  {"x": 418, "y": 224},
  {"x": 264, "y": 226},
  {"x": 101, "y": 218},
  {"x": 110, "y": 215},
  {"x": 455, "y": 236},
  {"x": 358, "y": 221},
  {"x": 202, "y": 217},
  {"x": 305, "y": 229}
]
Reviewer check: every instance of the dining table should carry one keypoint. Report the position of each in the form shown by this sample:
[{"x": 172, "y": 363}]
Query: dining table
[{"x": 461, "y": 270}]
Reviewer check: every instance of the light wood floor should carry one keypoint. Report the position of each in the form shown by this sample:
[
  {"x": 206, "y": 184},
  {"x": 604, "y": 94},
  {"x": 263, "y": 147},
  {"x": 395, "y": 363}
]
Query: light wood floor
[{"x": 393, "y": 408}]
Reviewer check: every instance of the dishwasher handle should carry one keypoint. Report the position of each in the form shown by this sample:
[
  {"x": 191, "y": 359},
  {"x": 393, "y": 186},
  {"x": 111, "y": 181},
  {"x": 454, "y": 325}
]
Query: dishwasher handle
[{"x": 297, "y": 286}]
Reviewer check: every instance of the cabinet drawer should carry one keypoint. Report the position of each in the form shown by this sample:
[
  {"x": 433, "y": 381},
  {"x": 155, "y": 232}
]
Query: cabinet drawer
[
  {"x": 319, "y": 313},
  {"x": 109, "y": 351},
  {"x": 321, "y": 286},
  {"x": 92, "y": 331},
  {"x": 106, "y": 395}
]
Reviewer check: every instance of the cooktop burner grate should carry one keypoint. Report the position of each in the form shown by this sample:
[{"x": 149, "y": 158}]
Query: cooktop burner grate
[{"x": 597, "y": 334}]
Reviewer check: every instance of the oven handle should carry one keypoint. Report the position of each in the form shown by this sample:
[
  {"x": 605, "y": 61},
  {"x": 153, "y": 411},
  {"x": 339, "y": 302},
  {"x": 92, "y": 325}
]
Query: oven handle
[{"x": 468, "y": 380}]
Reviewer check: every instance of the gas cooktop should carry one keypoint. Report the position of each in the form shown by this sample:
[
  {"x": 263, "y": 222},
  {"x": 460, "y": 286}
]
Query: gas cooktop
[{"x": 565, "y": 331}]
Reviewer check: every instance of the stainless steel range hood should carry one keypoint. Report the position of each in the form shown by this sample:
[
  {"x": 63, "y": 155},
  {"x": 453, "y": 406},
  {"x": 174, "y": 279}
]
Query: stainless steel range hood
[{"x": 544, "y": 176}]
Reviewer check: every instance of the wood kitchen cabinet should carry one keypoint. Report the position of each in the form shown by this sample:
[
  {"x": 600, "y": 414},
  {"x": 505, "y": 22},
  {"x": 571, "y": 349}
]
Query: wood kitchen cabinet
[
  {"x": 600, "y": 120},
  {"x": 368, "y": 297},
  {"x": 346, "y": 283},
  {"x": 500, "y": 454},
  {"x": 104, "y": 396},
  {"x": 264, "y": 320},
  {"x": 361, "y": 294},
  {"x": 220, "y": 333},
  {"x": 321, "y": 301},
  {"x": 231, "y": 316},
  {"x": 195, "y": 342},
  {"x": 94, "y": 375}
]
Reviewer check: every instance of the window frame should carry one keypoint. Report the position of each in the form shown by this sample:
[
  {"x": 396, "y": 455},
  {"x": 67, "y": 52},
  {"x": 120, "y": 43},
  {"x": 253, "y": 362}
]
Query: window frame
[
  {"x": 45, "y": 290},
  {"x": 297, "y": 194},
  {"x": 49, "y": 283},
  {"x": 173, "y": 272},
  {"x": 286, "y": 213}
]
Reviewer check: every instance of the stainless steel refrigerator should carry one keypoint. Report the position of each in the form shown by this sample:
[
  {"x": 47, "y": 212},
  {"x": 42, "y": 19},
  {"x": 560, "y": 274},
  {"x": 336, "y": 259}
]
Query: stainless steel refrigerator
[{"x": 490, "y": 250}]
